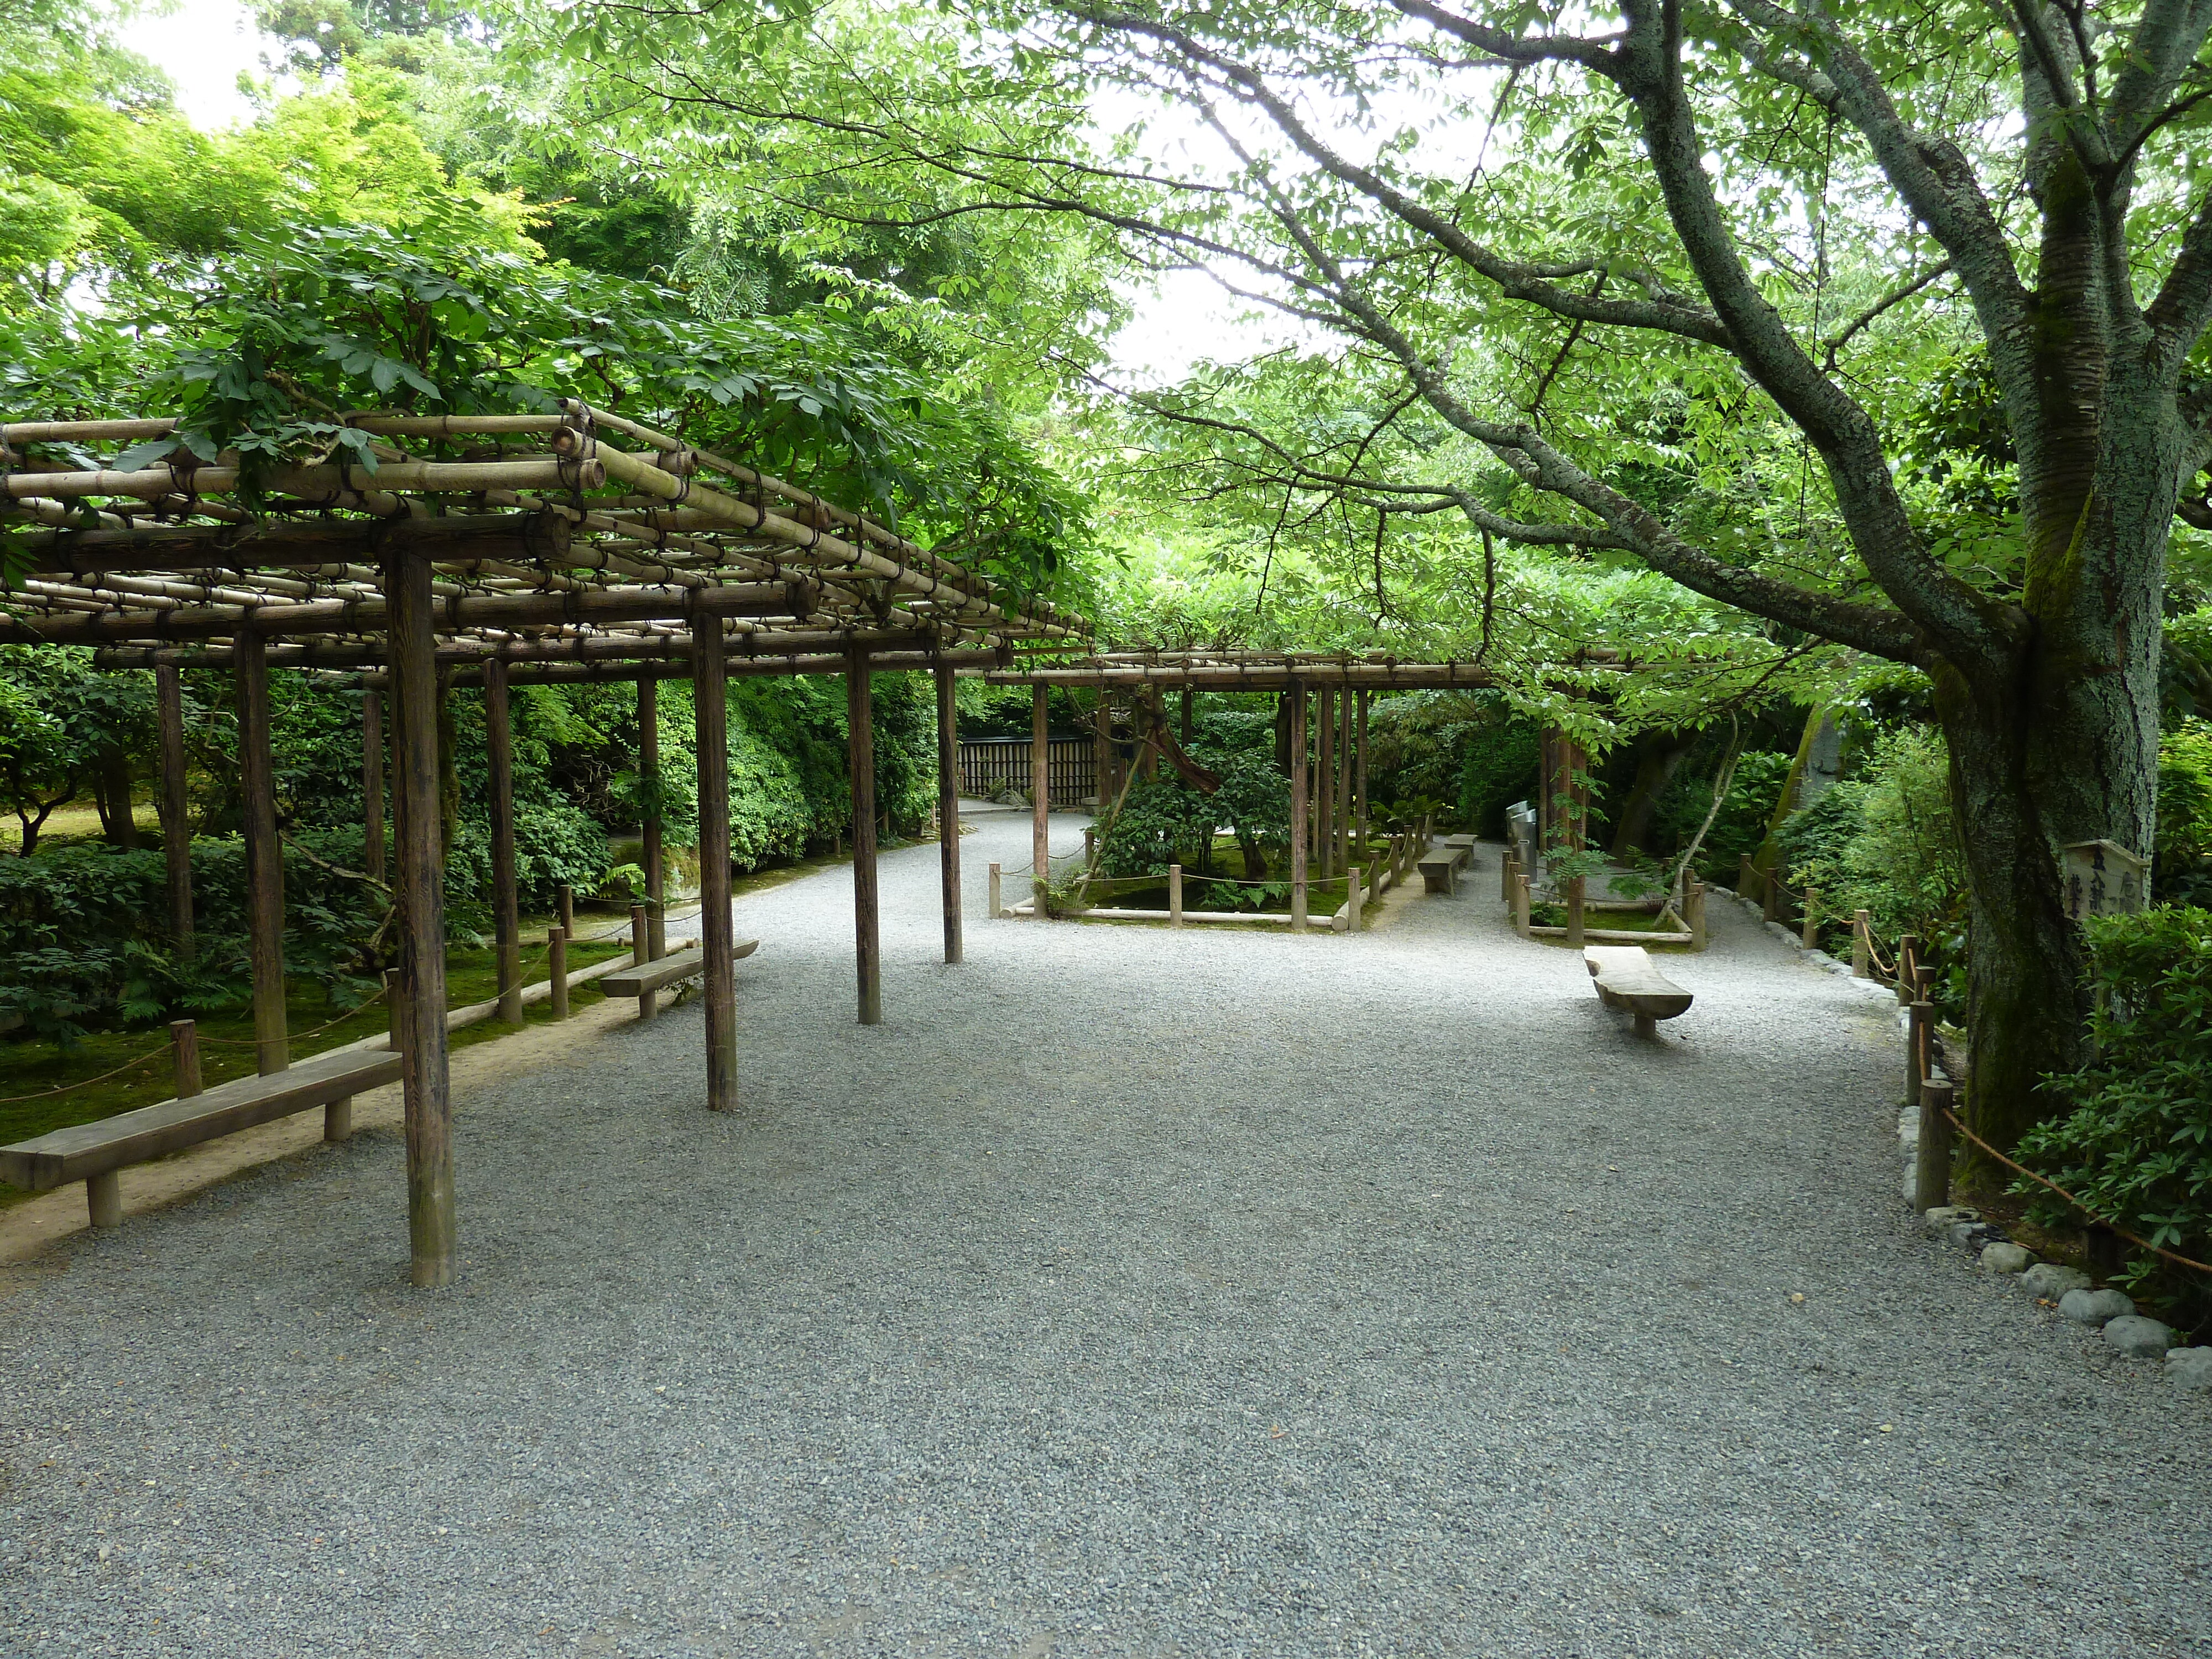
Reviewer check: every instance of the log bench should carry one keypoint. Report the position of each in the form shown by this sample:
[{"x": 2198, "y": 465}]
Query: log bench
[
  {"x": 94, "y": 1153},
  {"x": 646, "y": 980},
  {"x": 1627, "y": 979},
  {"x": 1440, "y": 868}
]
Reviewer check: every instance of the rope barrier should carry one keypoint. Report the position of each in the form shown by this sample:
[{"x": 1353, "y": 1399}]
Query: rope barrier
[
  {"x": 85, "y": 1083},
  {"x": 299, "y": 1036},
  {"x": 2043, "y": 1180}
]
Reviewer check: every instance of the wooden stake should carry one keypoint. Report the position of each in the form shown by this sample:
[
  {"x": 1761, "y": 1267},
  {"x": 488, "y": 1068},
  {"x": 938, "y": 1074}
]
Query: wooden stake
[
  {"x": 1931, "y": 1163},
  {"x": 506, "y": 920},
  {"x": 1908, "y": 953},
  {"x": 1298, "y": 694},
  {"x": 372, "y": 782},
  {"x": 1576, "y": 896},
  {"x": 176, "y": 821},
  {"x": 1520, "y": 907},
  {"x": 651, "y": 854},
  {"x": 710, "y": 705},
  {"x": 568, "y": 910},
  {"x": 1041, "y": 807},
  {"x": 185, "y": 1054},
  {"x": 264, "y": 856},
  {"x": 860, "y": 719},
  {"x": 948, "y": 811},
  {"x": 556, "y": 954},
  {"x": 1354, "y": 901},
  {"x": 995, "y": 898},
  {"x": 1862, "y": 956},
  {"x": 1918, "y": 1016},
  {"x": 1175, "y": 896},
  {"x": 420, "y": 1009}
]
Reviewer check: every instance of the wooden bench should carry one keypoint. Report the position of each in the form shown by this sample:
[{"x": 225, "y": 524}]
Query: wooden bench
[
  {"x": 1440, "y": 868},
  {"x": 93, "y": 1152},
  {"x": 1627, "y": 979},
  {"x": 645, "y": 981}
]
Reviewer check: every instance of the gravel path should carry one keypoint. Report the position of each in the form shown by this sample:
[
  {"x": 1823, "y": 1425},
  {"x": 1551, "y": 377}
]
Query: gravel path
[{"x": 1126, "y": 1292}]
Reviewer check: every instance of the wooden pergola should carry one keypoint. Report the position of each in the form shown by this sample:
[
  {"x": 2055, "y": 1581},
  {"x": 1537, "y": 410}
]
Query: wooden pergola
[{"x": 495, "y": 551}]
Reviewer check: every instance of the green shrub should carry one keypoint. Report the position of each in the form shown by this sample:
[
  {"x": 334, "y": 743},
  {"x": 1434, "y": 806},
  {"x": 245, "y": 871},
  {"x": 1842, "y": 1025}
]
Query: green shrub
[
  {"x": 1167, "y": 822},
  {"x": 2134, "y": 1142},
  {"x": 2182, "y": 870},
  {"x": 1741, "y": 825}
]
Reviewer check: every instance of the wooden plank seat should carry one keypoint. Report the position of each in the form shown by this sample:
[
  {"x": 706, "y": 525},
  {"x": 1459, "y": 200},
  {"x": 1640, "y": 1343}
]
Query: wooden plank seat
[
  {"x": 1627, "y": 979},
  {"x": 93, "y": 1152},
  {"x": 1440, "y": 867},
  {"x": 644, "y": 980}
]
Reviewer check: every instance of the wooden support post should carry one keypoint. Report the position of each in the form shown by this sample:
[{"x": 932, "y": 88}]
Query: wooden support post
[
  {"x": 1862, "y": 959},
  {"x": 185, "y": 1054},
  {"x": 868, "y": 950},
  {"x": 1576, "y": 898},
  {"x": 1809, "y": 932},
  {"x": 1102, "y": 747},
  {"x": 1916, "y": 1049},
  {"x": 176, "y": 821},
  {"x": 1175, "y": 896},
  {"x": 103, "y": 1199},
  {"x": 419, "y": 1010},
  {"x": 652, "y": 854},
  {"x": 1299, "y": 819},
  {"x": 1908, "y": 956},
  {"x": 1324, "y": 782},
  {"x": 557, "y": 957},
  {"x": 371, "y": 781},
  {"x": 994, "y": 899},
  {"x": 395, "y": 1008},
  {"x": 264, "y": 856},
  {"x": 1509, "y": 870},
  {"x": 1694, "y": 902},
  {"x": 1520, "y": 907},
  {"x": 1355, "y": 900},
  {"x": 1340, "y": 817},
  {"x": 717, "y": 936},
  {"x": 337, "y": 1121},
  {"x": 568, "y": 910},
  {"x": 1041, "y": 806},
  {"x": 948, "y": 810},
  {"x": 641, "y": 952},
  {"x": 507, "y": 919},
  {"x": 1931, "y": 1158},
  {"x": 1361, "y": 816}
]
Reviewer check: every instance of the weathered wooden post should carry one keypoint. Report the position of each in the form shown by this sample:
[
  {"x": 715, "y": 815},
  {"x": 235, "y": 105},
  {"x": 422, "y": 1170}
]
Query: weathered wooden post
[
  {"x": 1916, "y": 1049},
  {"x": 1360, "y": 816},
  {"x": 1575, "y": 897},
  {"x": 556, "y": 953},
  {"x": 1175, "y": 896},
  {"x": 1931, "y": 1161},
  {"x": 395, "y": 1004},
  {"x": 1355, "y": 921},
  {"x": 1324, "y": 781},
  {"x": 103, "y": 1197},
  {"x": 185, "y": 1055},
  {"x": 419, "y": 1011},
  {"x": 994, "y": 899},
  {"x": 1695, "y": 902},
  {"x": 568, "y": 910},
  {"x": 860, "y": 762},
  {"x": 176, "y": 821},
  {"x": 717, "y": 936},
  {"x": 1089, "y": 846},
  {"x": 1862, "y": 964},
  {"x": 1340, "y": 814},
  {"x": 1298, "y": 806},
  {"x": 1509, "y": 867},
  {"x": 948, "y": 810},
  {"x": 265, "y": 857},
  {"x": 1521, "y": 906},
  {"x": 1041, "y": 807},
  {"x": 1908, "y": 961},
  {"x": 507, "y": 920},
  {"x": 652, "y": 853},
  {"x": 641, "y": 952},
  {"x": 1810, "y": 932},
  {"x": 372, "y": 782}
]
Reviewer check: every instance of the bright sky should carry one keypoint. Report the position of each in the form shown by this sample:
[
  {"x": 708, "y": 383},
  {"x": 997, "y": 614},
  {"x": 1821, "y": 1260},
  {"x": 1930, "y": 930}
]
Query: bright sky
[{"x": 204, "y": 46}]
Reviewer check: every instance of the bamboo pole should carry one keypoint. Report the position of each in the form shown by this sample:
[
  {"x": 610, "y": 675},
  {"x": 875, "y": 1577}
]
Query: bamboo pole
[
  {"x": 948, "y": 811},
  {"x": 1297, "y": 807},
  {"x": 868, "y": 950},
  {"x": 176, "y": 821},
  {"x": 371, "y": 781},
  {"x": 651, "y": 853},
  {"x": 264, "y": 856},
  {"x": 507, "y": 921},
  {"x": 710, "y": 701},
  {"x": 316, "y": 546},
  {"x": 311, "y": 482},
  {"x": 1041, "y": 806},
  {"x": 419, "y": 1011}
]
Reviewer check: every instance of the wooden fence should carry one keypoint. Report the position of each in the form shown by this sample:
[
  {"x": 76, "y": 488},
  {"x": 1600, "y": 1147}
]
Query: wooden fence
[{"x": 990, "y": 766}]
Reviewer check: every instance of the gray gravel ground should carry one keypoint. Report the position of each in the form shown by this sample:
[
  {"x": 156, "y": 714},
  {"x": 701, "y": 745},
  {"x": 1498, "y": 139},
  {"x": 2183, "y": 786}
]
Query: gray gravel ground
[{"x": 1126, "y": 1292}]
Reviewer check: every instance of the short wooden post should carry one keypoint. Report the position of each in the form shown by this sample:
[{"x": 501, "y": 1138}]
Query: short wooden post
[
  {"x": 420, "y": 1013},
  {"x": 372, "y": 782},
  {"x": 1175, "y": 896},
  {"x": 264, "y": 856},
  {"x": 1520, "y": 907},
  {"x": 653, "y": 855},
  {"x": 860, "y": 763},
  {"x": 948, "y": 810},
  {"x": 568, "y": 910},
  {"x": 1298, "y": 806},
  {"x": 641, "y": 941},
  {"x": 1041, "y": 807},
  {"x": 1908, "y": 957},
  {"x": 395, "y": 1008},
  {"x": 1575, "y": 899},
  {"x": 103, "y": 1199},
  {"x": 337, "y": 1121},
  {"x": 1916, "y": 1049},
  {"x": 1089, "y": 846},
  {"x": 717, "y": 932},
  {"x": 185, "y": 1055},
  {"x": 1810, "y": 932},
  {"x": 507, "y": 919},
  {"x": 556, "y": 953},
  {"x": 1931, "y": 1162},
  {"x": 1355, "y": 899},
  {"x": 176, "y": 821},
  {"x": 1694, "y": 901},
  {"x": 1862, "y": 959},
  {"x": 995, "y": 898}
]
